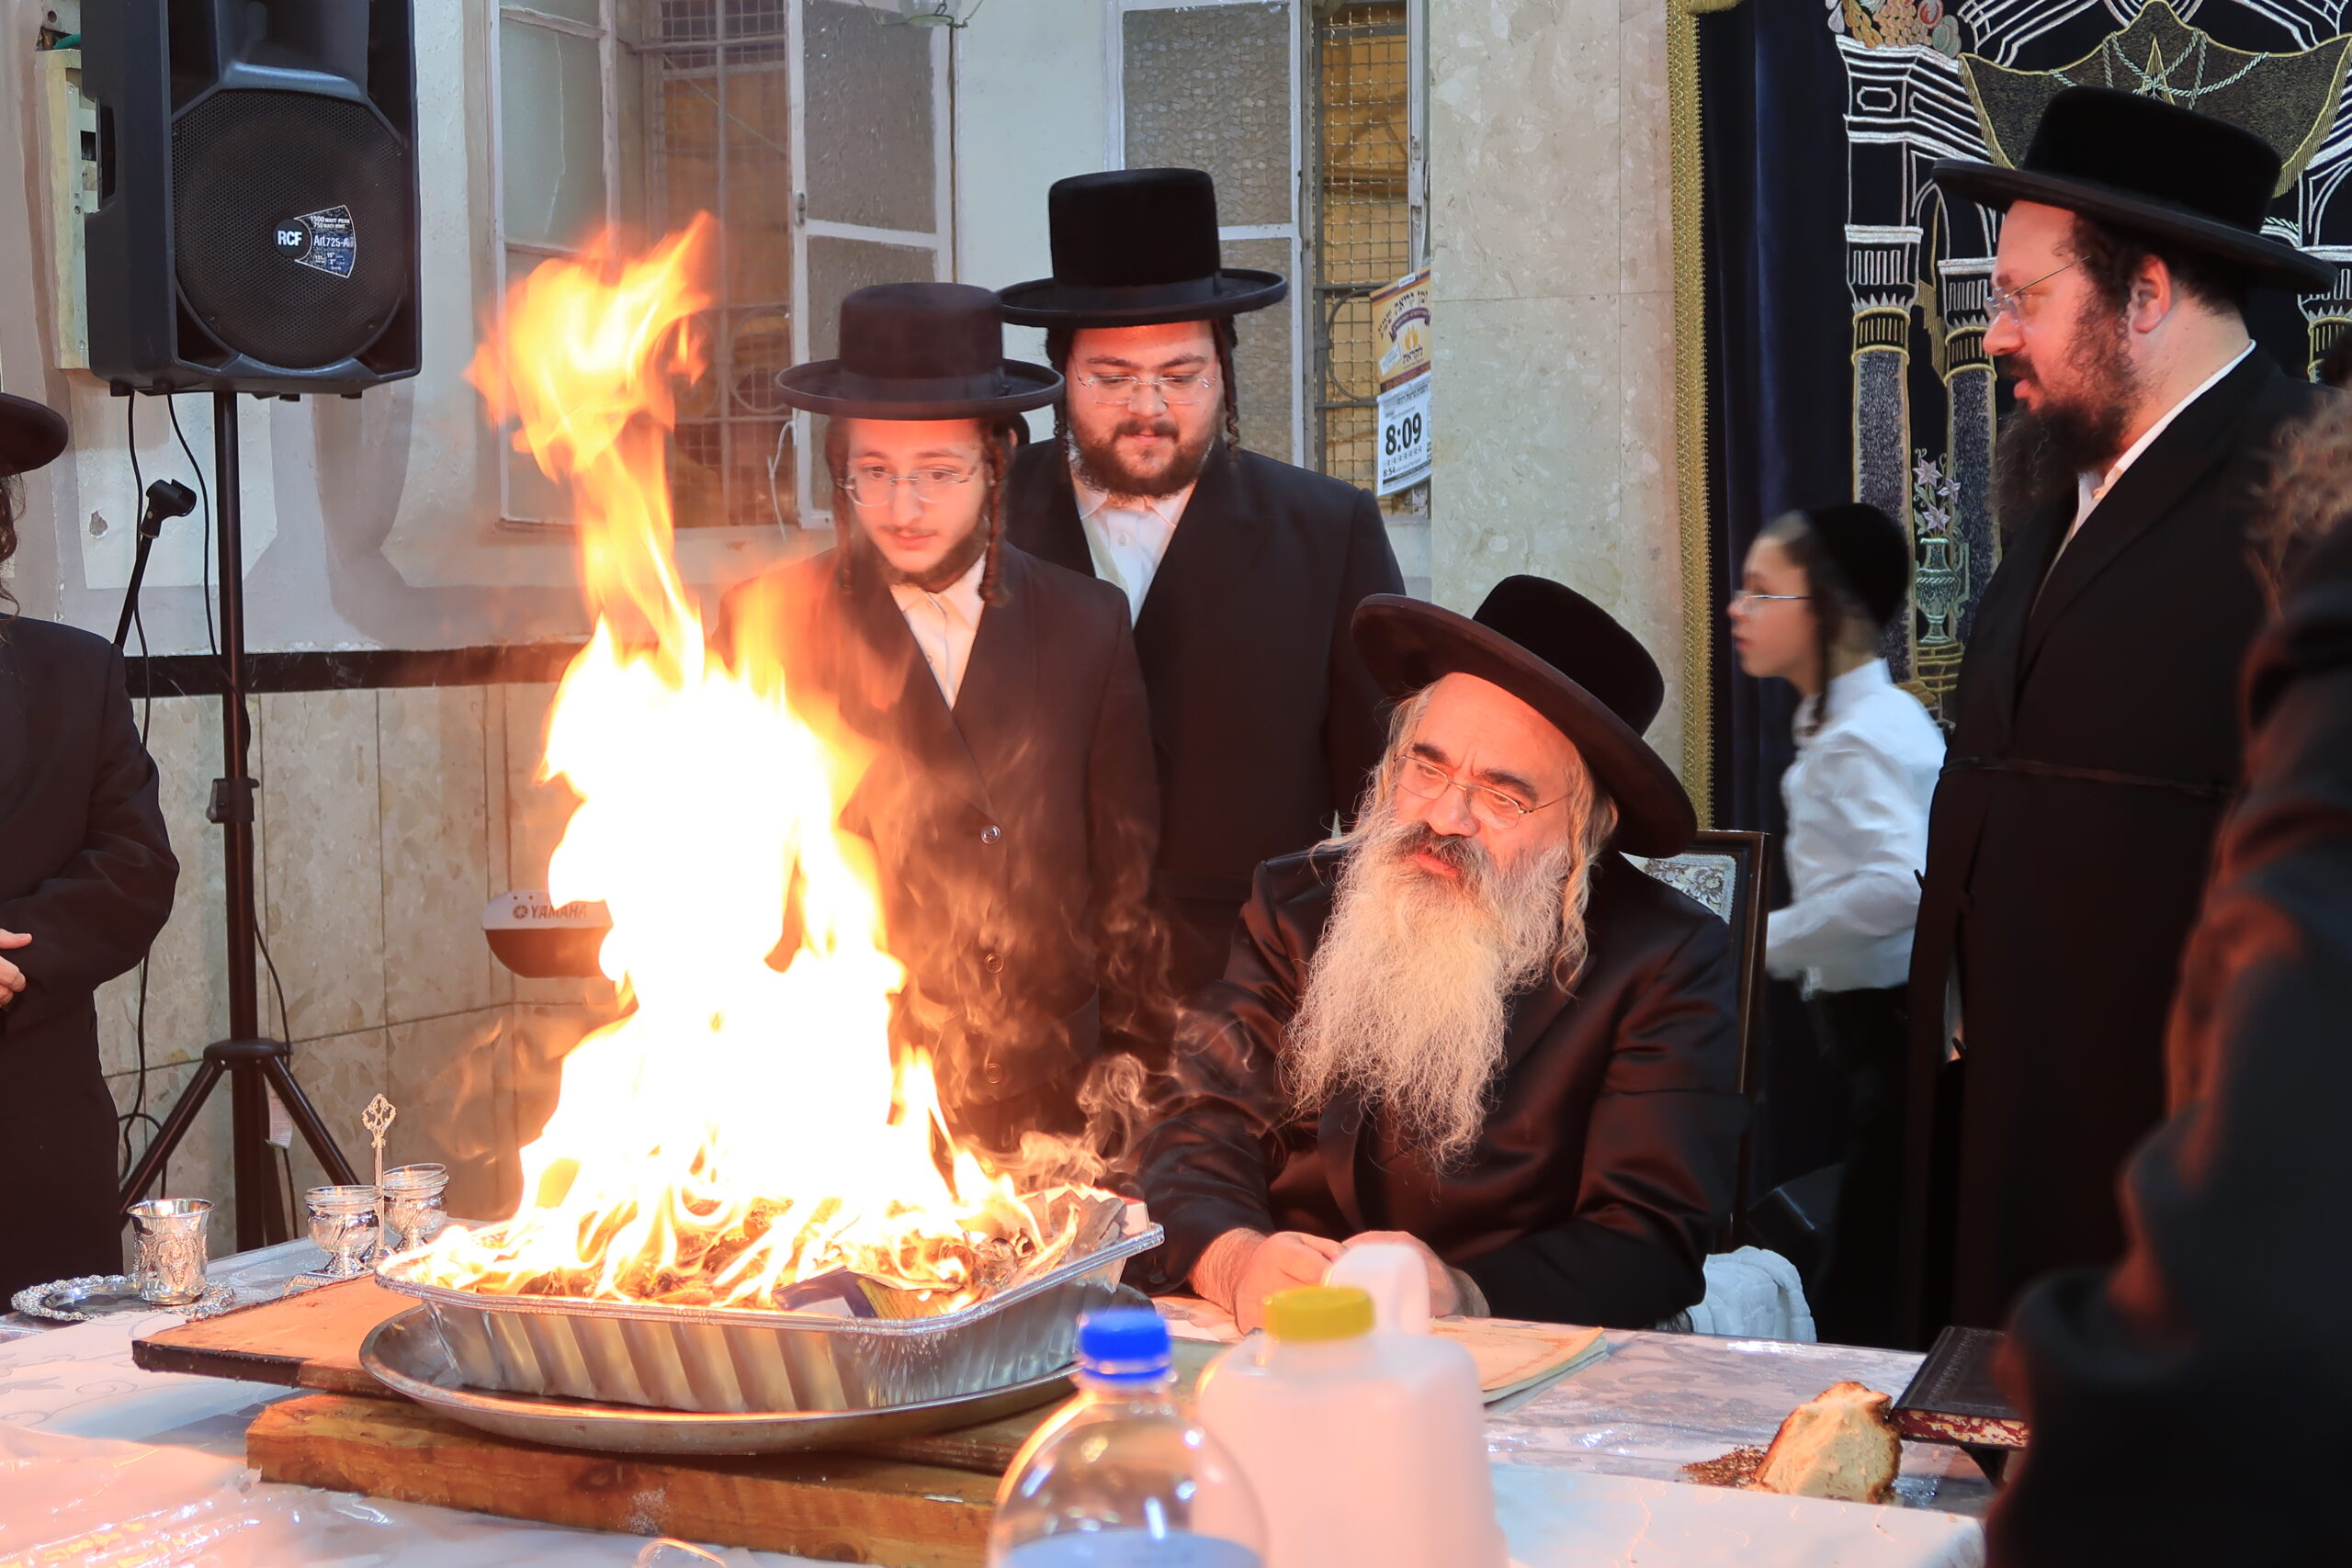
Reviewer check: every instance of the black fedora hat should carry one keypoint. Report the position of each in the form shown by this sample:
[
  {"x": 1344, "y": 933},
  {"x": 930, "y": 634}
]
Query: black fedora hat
[
  {"x": 1564, "y": 657},
  {"x": 2153, "y": 167},
  {"x": 31, "y": 434},
  {"x": 1134, "y": 248},
  {"x": 919, "y": 350}
]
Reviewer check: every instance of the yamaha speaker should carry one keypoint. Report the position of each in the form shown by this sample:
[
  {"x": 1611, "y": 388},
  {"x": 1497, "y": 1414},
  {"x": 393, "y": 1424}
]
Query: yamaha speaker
[{"x": 256, "y": 226}]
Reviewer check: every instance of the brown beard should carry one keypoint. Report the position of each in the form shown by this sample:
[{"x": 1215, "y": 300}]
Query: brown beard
[
  {"x": 1099, "y": 465},
  {"x": 2042, "y": 451},
  {"x": 952, "y": 565},
  {"x": 2030, "y": 474}
]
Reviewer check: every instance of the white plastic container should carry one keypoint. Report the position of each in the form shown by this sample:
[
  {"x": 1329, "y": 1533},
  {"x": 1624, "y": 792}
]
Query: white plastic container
[
  {"x": 1365, "y": 1449},
  {"x": 1394, "y": 1276}
]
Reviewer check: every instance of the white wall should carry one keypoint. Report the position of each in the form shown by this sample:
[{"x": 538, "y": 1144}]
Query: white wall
[
  {"x": 367, "y": 523},
  {"x": 1551, "y": 233},
  {"x": 1030, "y": 108}
]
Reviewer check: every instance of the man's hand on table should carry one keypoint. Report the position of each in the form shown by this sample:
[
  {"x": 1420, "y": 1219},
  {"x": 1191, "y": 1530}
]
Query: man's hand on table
[
  {"x": 1452, "y": 1292},
  {"x": 12, "y": 979},
  {"x": 1241, "y": 1269}
]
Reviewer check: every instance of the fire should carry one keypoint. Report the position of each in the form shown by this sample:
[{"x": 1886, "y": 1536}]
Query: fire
[{"x": 741, "y": 1129}]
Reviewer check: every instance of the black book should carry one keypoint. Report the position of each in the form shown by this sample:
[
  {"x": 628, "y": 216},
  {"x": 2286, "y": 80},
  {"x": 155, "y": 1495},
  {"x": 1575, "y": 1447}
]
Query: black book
[{"x": 1954, "y": 1398}]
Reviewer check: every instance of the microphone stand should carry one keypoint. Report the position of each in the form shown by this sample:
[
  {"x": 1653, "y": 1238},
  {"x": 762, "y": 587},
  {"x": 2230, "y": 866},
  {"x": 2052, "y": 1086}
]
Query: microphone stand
[
  {"x": 166, "y": 498},
  {"x": 254, "y": 1066}
]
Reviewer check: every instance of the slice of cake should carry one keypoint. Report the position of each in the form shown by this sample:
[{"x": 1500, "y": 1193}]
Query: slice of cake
[{"x": 1841, "y": 1444}]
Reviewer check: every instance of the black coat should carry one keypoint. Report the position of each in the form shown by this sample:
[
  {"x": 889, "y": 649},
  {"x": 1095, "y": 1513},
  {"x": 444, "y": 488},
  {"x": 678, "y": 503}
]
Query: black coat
[
  {"x": 1605, "y": 1167},
  {"x": 1012, "y": 836},
  {"x": 86, "y": 870},
  {"x": 2186, "y": 1409},
  {"x": 1265, "y": 723},
  {"x": 2096, "y": 743}
]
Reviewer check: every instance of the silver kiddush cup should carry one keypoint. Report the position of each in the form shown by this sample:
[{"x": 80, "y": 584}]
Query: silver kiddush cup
[
  {"x": 343, "y": 1220},
  {"x": 412, "y": 1210},
  {"x": 169, "y": 1270}
]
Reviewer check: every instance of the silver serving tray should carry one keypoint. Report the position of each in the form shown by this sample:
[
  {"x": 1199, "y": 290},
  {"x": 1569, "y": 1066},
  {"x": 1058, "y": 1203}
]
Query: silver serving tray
[
  {"x": 406, "y": 1355},
  {"x": 109, "y": 1295},
  {"x": 739, "y": 1359}
]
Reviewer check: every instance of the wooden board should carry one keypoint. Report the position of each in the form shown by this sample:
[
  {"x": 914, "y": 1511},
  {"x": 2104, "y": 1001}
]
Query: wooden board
[
  {"x": 843, "y": 1508},
  {"x": 988, "y": 1450},
  {"x": 309, "y": 1339}
]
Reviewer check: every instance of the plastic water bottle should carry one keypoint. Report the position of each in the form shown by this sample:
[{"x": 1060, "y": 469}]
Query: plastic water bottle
[
  {"x": 1367, "y": 1448},
  {"x": 1122, "y": 1477}
]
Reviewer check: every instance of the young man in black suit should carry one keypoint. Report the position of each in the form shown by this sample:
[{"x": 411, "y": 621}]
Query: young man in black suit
[
  {"x": 1010, "y": 797},
  {"x": 2096, "y": 740},
  {"x": 86, "y": 877},
  {"x": 1242, "y": 572}
]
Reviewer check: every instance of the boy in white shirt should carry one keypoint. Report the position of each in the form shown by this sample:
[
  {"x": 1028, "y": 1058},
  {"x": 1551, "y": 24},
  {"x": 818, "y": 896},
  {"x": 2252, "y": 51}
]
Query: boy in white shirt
[{"x": 1818, "y": 589}]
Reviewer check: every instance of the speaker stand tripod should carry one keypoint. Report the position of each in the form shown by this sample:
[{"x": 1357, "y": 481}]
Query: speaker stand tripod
[{"x": 254, "y": 1066}]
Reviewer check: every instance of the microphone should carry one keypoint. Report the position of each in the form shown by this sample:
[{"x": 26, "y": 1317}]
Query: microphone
[{"x": 166, "y": 498}]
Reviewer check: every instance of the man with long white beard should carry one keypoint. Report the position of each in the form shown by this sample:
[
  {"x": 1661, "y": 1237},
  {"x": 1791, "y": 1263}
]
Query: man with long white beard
[{"x": 1469, "y": 1024}]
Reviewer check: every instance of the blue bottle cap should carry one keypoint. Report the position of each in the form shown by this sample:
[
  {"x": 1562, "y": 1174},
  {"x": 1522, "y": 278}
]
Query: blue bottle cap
[{"x": 1124, "y": 1342}]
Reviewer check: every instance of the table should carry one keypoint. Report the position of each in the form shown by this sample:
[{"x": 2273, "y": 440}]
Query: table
[{"x": 87, "y": 1440}]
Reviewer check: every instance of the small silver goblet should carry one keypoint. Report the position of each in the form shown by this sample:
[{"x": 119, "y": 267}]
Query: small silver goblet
[
  {"x": 344, "y": 1221},
  {"x": 169, "y": 1270},
  {"x": 412, "y": 1210}
]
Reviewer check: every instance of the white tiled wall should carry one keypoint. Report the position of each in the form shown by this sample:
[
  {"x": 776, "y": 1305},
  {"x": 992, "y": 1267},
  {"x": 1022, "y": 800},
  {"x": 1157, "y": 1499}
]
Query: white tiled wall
[{"x": 388, "y": 819}]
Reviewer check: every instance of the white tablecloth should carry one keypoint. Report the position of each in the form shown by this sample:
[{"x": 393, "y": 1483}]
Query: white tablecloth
[
  {"x": 1658, "y": 1402},
  {"x": 107, "y": 1465}
]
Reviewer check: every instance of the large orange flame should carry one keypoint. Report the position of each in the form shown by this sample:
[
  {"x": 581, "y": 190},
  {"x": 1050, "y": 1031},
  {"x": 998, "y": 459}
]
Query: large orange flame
[{"x": 740, "y": 1128}]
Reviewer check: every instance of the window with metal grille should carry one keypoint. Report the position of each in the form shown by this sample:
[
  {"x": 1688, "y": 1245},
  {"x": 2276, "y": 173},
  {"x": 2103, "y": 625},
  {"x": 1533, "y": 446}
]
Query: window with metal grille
[
  {"x": 719, "y": 136},
  {"x": 1364, "y": 212},
  {"x": 814, "y": 130}
]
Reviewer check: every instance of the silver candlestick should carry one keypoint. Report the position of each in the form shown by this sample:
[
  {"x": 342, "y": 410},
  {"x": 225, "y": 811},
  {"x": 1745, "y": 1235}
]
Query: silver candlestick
[{"x": 377, "y": 1120}]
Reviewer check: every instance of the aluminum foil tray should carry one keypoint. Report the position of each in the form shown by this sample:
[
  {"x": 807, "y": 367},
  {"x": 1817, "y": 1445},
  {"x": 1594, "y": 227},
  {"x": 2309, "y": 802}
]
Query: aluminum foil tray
[{"x": 739, "y": 1359}]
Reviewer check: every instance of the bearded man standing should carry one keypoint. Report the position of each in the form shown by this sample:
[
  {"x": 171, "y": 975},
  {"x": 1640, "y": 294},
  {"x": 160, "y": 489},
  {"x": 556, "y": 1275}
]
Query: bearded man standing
[
  {"x": 1242, "y": 572},
  {"x": 2096, "y": 739},
  {"x": 1470, "y": 1025}
]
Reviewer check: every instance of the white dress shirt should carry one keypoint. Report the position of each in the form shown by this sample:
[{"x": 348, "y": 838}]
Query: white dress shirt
[
  {"x": 1857, "y": 795},
  {"x": 1129, "y": 544},
  {"x": 944, "y": 624},
  {"x": 2090, "y": 489}
]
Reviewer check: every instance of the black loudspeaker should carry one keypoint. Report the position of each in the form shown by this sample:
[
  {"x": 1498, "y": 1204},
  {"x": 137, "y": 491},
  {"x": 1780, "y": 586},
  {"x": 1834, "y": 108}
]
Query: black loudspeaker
[{"x": 256, "y": 228}]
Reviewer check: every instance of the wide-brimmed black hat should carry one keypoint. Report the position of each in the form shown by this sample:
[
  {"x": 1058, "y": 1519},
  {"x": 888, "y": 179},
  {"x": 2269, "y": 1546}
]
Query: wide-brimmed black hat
[
  {"x": 1564, "y": 657},
  {"x": 2157, "y": 168},
  {"x": 919, "y": 350},
  {"x": 1869, "y": 549},
  {"x": 31, "y": 434},
  {"x": 1134, "y": 248}
]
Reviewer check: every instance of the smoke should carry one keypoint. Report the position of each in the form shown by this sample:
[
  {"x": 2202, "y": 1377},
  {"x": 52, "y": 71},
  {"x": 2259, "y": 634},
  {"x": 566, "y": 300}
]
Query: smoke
[{"x": 1116, "y": 1099}]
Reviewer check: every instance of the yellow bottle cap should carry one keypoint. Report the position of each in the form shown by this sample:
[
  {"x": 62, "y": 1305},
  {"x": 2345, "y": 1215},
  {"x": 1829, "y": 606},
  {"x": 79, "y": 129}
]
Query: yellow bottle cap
[{"x": 1318, "y": 1312}]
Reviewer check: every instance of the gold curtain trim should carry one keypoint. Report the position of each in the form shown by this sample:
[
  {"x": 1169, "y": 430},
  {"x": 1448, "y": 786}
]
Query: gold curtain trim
[{"x": 1689, "y": 193}]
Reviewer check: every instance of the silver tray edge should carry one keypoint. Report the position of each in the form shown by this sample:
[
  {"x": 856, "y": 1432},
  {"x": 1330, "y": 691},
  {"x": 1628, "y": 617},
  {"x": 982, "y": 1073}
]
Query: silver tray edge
[{"x": 390, "y": 1355}]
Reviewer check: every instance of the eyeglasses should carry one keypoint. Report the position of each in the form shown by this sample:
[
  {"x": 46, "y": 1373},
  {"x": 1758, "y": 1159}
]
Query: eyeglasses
[
  {"x": 1424, "y": 780},
  {"x": 2011, "y": 302},
  {"x": 874, "y": 486},
  {"x": 1743, "y": 597},
  {"x": 1177, "y": 390}
]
